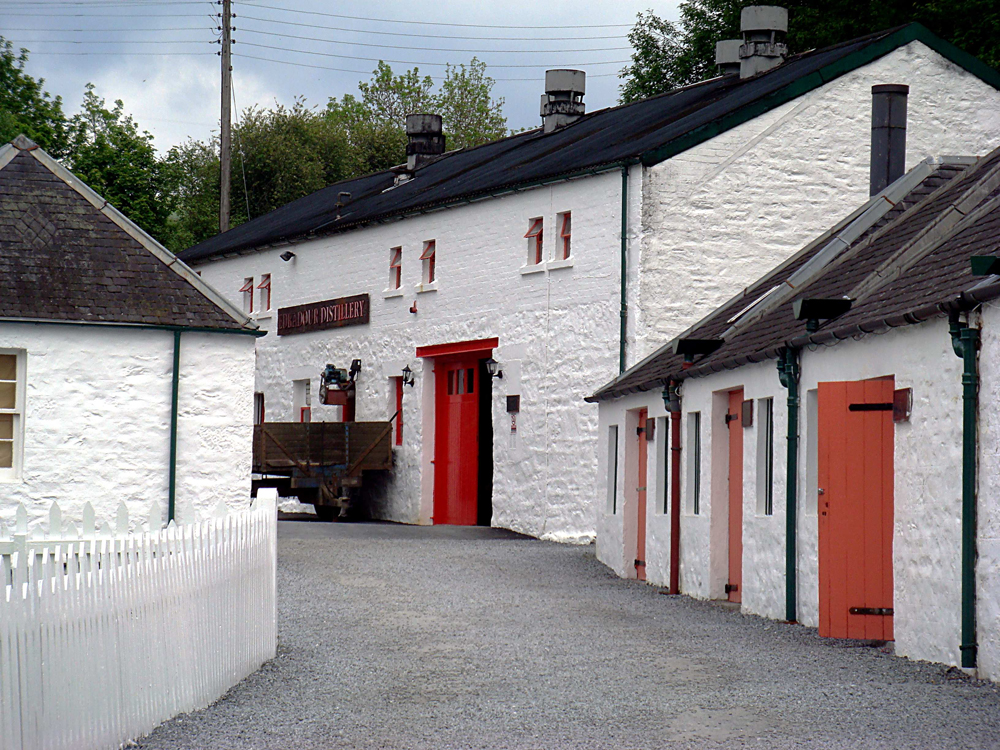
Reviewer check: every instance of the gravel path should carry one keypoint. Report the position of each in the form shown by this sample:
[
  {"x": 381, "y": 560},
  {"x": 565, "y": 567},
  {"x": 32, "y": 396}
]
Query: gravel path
[{"x": 409, "y": 637}]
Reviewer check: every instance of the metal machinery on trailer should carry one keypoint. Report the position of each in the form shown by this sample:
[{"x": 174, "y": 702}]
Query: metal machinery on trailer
[{"x": 323, "y": 463}]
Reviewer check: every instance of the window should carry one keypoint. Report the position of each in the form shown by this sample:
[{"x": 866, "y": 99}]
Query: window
[
  {"x": 265, "y": 292},
  {"x": 694, "y": 461},
  {"x": 565, "y": 229},
  {"x": 247, "y": 290},
  {"x": 765, "y": 456},
  {"x": 258, "y": 408},
  {"x": 302, "y": 400},
  {"x": 11, "y": 413},
  {"x": 663, "y": 460},
  {"x": 461, "y": 381},
  {"x": 398, "y": 422},
  {"x": 395, "y": 267},
  {"x": 535, "y": 243},
  {"x": 428, "y": 258},
  {"x": 613, "y": 468}
]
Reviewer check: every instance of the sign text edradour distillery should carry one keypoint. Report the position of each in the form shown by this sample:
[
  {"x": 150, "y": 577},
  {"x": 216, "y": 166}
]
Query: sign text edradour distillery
[{"x": 318, "y": 316}]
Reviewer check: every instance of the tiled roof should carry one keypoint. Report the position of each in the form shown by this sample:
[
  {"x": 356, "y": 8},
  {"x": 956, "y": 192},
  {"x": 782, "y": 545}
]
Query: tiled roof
[
  {"x": 648, "y": 131},
  {"x": 908, "y": 266},
  {"x": 64, "y": 259}
]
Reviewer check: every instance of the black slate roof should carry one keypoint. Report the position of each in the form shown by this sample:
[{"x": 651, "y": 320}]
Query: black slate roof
[
  {"x": 648, "y": 131},
  {"x": 896, "y": 287},
  {"x": 62, "y": 259}
]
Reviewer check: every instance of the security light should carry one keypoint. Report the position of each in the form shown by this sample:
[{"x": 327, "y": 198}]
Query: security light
[
  {"x": 493, "y": 368},
  {"x": 407, "y": 376},
  {"x": 287, "y": 255}
]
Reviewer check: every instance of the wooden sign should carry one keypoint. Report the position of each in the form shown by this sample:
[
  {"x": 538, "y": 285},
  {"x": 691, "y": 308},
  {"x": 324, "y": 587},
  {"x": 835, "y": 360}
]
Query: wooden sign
[{"x": 318, "y": 316}]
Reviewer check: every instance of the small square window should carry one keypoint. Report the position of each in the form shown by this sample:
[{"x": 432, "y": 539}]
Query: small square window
[
  {"x": 395, "y": 267},
  {"x": 265, "y": 292},
  {"x": 247, "y": 290},
  {"x": 11, "y": 413},
  {"x": 535, "y": 242},
  {"x": 429, "y": 261},
  {"x": 565, "y": 229}
]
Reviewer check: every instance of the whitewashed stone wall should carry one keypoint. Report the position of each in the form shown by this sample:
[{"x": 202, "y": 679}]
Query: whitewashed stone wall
[
  {"x": 557, "y": 328},
  {"x": 97, "y": 420},
  {"x": 723, "y": 213},
  {"x": 988, "y": 572}
]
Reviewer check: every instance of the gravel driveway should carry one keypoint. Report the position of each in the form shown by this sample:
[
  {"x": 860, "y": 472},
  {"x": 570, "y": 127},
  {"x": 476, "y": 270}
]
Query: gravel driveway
[{"x": 444, "y": 637}]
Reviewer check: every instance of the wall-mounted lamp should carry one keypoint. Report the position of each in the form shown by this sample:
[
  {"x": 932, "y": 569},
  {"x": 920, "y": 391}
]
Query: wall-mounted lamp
[
  {"x": 355, "y": 368},
  {"x": 408, "y": 376},
  {"x": 493, "y": 368},
  {"x": 287, "y": 255}
]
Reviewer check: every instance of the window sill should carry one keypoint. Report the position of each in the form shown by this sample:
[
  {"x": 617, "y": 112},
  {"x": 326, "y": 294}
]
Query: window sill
[
  {"x": 561, "y": 263},
  {"x": 431, "y": 286},
  {"x": 267, "y": 315},
  {"x": 391, "y": 293},
  {"x": 535, "y": 268}
]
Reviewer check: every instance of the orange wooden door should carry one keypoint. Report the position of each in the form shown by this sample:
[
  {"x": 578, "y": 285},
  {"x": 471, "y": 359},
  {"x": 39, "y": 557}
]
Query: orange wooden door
[
  {"x": 456, "y": 441},
  {"x": 640, "y": 541},
  {"x": 855, "y": 473},
  {"x": 735, "y": 423}
]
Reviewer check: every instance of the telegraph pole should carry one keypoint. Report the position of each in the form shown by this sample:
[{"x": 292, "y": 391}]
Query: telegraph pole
[{"x": 225, "y": 135}]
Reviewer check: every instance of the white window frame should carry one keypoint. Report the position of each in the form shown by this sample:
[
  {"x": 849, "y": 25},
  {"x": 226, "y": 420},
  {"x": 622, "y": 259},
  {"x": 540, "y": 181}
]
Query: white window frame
[{"x": 13, "y": 474}]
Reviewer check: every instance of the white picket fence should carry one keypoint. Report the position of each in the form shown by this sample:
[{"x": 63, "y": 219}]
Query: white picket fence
[{"x": 103, "y": 636}]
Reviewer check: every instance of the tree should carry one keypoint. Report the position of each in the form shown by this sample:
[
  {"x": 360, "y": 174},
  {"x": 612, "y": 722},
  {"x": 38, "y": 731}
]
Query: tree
[
  {"x": 190, "y": 174},
  {"x": 25, "y": 106},
  {"x": 470, "y": 115}
]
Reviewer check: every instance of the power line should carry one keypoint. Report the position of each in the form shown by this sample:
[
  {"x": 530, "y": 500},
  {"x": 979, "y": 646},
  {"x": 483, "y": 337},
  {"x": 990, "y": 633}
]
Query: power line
[
  {"x": 119, "y": 52},
  {"x": 433, "y": 23},
  {"x": 113, "y": 41},
  {"x": 176, "y": 28},
  {"x": 427, "y": 49}
]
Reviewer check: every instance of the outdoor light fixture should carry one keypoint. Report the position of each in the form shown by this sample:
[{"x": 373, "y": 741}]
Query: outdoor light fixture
[
  {"x": 812, "y": 311},
  {"x": 355, "y": 368},
  {"x": 287, "y": 255},
  {"x": 408, "y": 376},
  {"x": 493, "y": 368},
  {"x": 690, "y": 348}
]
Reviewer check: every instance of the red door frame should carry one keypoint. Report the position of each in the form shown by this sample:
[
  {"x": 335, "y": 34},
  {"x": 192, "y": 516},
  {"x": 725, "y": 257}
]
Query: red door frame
[
  {"x": 855, "y": 476},
  {"x": 640, "y": 481},
  {"x": 734, "y": 420}
]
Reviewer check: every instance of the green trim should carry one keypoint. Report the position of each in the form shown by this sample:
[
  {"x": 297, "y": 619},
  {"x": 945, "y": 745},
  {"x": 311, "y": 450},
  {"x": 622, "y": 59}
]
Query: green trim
[
  {"x": 788, "y": 374},
  {"x": 137, "y": 326},
  {"x": 624, "y": 285},
  {"x": 174, "y": 398},
  {"x": 871, "y": 52}
]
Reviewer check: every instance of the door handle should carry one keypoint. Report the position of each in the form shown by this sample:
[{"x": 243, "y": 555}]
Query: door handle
[{"x": 820, "y": 491}]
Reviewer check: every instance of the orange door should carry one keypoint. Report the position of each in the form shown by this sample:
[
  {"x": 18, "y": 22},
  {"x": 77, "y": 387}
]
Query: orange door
[
  {"x": 456, "y": 441},
  {"x": 855, "y": 473},
  {"x": 735, "y": 424},
  {"x": 640, "y": 540}
]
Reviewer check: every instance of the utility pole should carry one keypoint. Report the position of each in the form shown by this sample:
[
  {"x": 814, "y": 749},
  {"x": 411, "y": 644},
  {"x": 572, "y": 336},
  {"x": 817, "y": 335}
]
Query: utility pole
[{"x": 225, "y": 135}]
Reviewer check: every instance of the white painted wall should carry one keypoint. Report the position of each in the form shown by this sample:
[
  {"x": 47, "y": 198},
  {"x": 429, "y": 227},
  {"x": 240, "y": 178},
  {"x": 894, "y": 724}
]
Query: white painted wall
[
  {"x": 723, "y": 213},
  {"x": 988, "y": 572},
  {"x": 557, "y": 328},
  {"x": 97, "y": 420}
]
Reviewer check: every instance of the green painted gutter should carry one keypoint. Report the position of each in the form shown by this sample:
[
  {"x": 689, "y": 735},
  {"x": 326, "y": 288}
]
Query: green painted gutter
[
  {"x": 624, "y": 254},
  {"x": 135, "y": 326},
  {"x": 788, "y": 374},
  {"x": 174, "y": 390},
  {"x": 965, "y": 341}
]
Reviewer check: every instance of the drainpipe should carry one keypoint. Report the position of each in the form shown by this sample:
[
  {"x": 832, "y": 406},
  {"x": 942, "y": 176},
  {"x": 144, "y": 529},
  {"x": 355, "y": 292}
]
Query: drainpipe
[
  {"x": 624, "y": 254},
  {"x": 174, "y": 389},
  {"x": 788, "y": 374},
  {"x": 965, "y": 341},
  {"x": 672, "y": 400}
]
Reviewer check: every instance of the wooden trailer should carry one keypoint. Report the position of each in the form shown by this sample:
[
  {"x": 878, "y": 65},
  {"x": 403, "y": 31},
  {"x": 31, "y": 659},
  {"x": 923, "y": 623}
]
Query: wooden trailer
[{"x": 322, "y": 463}]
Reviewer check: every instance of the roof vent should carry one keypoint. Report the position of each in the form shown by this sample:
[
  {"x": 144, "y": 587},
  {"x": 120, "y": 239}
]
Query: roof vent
[
  {"x": 727, "y": 56},
  {"x": 763, "y": 28},
  {"x": 426, "y": 140},
  {"x": 562, "y": 102}
]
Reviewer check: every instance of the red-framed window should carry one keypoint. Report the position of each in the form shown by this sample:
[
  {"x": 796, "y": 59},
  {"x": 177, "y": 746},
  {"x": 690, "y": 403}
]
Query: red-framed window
[
  {"x": 399, "y": 410},
  {"x": 265, "y": 292},
  {"x": 247, "y": 290},
  {"x": 395, "y": 267},
  {"x": 565, "y": 230},
  {"x": 535, "y": 242},
  {"x": 428, "y": 256}
]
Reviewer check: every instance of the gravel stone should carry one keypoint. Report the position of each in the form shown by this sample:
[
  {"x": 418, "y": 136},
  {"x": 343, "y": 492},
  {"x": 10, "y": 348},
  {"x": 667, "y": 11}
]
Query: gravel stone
[{"x": 449, "y": 637}]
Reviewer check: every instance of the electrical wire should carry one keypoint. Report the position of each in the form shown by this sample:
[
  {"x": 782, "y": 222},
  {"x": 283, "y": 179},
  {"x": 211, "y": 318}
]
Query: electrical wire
[
  {"x": 114, "y": 41},
  {"x": 72, "y": 31},
  {"x": 119, "y": 52}
]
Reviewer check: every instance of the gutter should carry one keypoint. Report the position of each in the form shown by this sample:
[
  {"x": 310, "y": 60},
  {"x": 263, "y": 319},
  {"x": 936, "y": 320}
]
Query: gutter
[
  {"x": 624, "y": 263},
  {"x": 255, "y": 332}
]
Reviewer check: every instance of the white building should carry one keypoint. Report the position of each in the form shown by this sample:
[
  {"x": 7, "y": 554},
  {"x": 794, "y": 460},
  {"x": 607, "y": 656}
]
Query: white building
[
  {"x": 665, "y": 205},
  {"x": 870, "y": 436},
  {"x": 123, "y": 376}
]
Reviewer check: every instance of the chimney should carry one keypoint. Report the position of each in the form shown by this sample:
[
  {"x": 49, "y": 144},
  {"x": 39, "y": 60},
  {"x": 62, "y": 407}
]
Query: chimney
[
  {"x": 888, "y": 135},
  {"x": 426, "y": 140},
  {"x": 727, "y": 56},
  {"x": 763, "y": 28},
  {"x": 562, "y": 102}
]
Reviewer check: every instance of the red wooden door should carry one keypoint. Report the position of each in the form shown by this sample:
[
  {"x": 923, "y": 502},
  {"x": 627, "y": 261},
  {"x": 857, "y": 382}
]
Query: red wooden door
[
  {"x": 735, "y": 423},
  {"x": 456, "y": 441},
  {"x": 855, "y": 473},
  {"x": 640, "y": 540}
]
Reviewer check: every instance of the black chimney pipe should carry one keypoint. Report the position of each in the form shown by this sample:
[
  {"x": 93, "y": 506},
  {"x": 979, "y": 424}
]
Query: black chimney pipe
[{"x": 888, "y": 135}]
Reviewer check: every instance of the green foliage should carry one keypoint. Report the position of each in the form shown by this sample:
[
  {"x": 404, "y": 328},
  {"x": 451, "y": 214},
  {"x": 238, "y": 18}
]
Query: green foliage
[
  {"x": 666, "y": 56},
  {"x": 471, "y": 116},
  {"x": 25, "y": 107},
  {"x": 191, "y": 178}
]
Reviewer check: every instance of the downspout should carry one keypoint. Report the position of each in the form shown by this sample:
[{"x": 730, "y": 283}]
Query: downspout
[
  {"x": 174, "y": 390},
  {"x": 672, "y": 400},
  {"x": 965, "y": 341},
  {"x": 624, "y": 260},
  {"x": 788, "y": 374}
]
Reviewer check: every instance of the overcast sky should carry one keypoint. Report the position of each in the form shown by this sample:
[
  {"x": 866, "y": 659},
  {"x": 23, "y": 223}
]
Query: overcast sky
[{"x": 159, "y": 56}]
